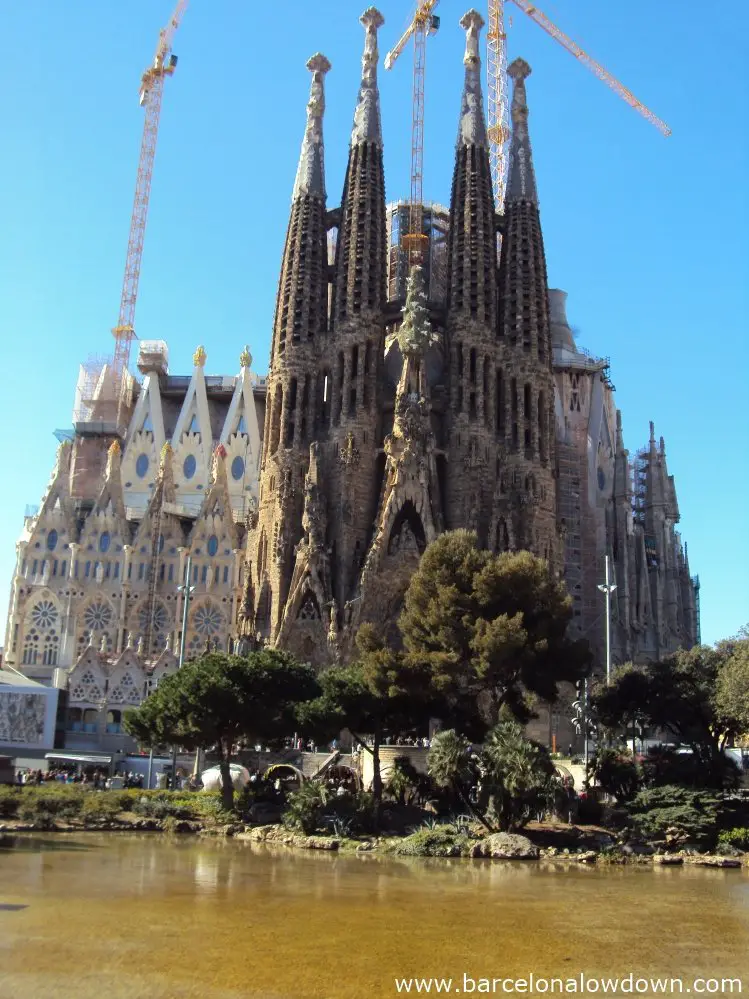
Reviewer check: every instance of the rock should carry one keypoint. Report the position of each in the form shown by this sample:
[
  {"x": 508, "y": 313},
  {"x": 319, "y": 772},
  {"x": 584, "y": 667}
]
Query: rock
[
  {"x": 636, "y": 848},
  {"x": 508, "y": 846},
  {"x": 320, "y": 843},
  {"x": 147, "y": 825},
  {"x": 710, "y": 860},
  {"x": 586, "y": 857},
  {"x": 667, "y": 859}
]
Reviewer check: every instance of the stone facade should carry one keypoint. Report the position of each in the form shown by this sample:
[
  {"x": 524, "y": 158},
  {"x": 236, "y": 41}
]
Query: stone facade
[{"x": 468, "y": 404}]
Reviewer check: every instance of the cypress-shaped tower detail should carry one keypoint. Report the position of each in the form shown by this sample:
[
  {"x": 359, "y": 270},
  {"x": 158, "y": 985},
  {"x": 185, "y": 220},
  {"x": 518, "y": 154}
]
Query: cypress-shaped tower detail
[
  {"x": 300, "y": 322},
  {"x": 525, "y": 499},
  {"x": 353, "y": 358},
  {"x": 471, "y": 308}
]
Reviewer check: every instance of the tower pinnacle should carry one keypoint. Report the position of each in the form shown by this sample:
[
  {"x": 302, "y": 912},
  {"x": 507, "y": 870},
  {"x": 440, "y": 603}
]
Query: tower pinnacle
[
  {"x": 310, "y": 175},
  {"x": 472, "y": 128},
  {"x": 367, "y": 114},
  {"x": 521, "y": 184}
]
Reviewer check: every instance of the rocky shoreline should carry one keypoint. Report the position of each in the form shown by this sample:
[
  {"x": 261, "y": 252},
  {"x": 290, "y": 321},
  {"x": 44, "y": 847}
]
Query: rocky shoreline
[{"x": 496, "y": 846}]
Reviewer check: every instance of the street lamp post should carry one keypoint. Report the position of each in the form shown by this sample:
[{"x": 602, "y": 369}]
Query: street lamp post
[
  {"x": 608, "y": 588},
  {"x": 186, "y": 591}
]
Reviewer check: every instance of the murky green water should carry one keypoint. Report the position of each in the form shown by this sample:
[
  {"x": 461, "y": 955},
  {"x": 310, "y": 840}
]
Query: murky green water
[{"x": 145, "y": 917}]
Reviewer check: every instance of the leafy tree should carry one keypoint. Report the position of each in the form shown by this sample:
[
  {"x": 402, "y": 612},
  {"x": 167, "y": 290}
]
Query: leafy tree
[
  {"x": 219, "y": 700},
  {"x": 519, "y": 779},
  {"x": 490, "y": 628},
  {"x": 732, "y": 689},
  {"x": 381, "y": 692},
  {"x": 680, "y": 695}
]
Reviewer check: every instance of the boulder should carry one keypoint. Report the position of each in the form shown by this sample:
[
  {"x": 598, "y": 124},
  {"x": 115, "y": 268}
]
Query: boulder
[
  {"x": 508, "y": 846},
  {"x": 668, "y": 859},
  {"x": 709, "y": 860}
]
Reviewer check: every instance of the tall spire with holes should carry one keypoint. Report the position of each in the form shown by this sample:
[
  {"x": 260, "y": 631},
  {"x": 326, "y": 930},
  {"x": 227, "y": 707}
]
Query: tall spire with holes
[
  {"x": 300, "y": 322},
  {"x": 301, "y": 306},
  {"x": 360, "y": 250},
  {"x": 472, "y": 242},
  {"x": 354, "y": 354}
]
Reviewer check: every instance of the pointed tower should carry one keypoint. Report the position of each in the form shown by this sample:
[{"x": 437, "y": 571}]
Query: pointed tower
[
  {"x": 472, "y": 343},
  {"x": 350, "y": 415},
  {"x": 525, "y": 395},
  {"x": 300, "y": 322},
  {"x": 409, "y": 515}
]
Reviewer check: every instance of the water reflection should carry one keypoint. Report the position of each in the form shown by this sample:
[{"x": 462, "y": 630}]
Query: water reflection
[{"x": 182, "y": 917}]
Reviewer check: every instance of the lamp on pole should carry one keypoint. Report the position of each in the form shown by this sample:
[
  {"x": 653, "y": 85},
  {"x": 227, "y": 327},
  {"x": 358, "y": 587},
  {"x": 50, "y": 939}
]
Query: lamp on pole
[
  {"x": 608, "y": 588},
  {"x": 186, "y": 590}
]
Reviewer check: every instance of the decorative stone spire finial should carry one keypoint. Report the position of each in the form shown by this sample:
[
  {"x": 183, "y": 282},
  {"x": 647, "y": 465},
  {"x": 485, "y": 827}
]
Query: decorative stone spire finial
[
  {"x": 367, "y": 114},
  {"x": 245, "y": 358},
  {"x": 198, "y": 358},
  {"x": 310, "y": 175},
  {"x": 472, "y": 128},
  {"x": 141, "y": 646},
  {"x": 652, "y": 434},
  {"x": 415, "y": 334},
  {"x": 521, "y": 184},
  {"x": 166, "y": 454},
  {"x": 129, "y": 640},
  {"x": 103, "y": 645},
  {"x": 168, "y": 645}
]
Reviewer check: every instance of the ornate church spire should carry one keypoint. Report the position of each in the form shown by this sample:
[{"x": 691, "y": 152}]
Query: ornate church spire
[
  {"x": 361, "y": 246},
  {"x": 521, "y": 181},
  {"x": 524, "y": 289},
  {"x": 301, "y": 306},
  {"x": 472, "y": 241},
  {"x": 310, "y": 174}
]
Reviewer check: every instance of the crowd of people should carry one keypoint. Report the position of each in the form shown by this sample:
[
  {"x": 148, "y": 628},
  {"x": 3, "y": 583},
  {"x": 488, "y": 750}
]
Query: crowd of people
[{"x": 97, "y": 780}]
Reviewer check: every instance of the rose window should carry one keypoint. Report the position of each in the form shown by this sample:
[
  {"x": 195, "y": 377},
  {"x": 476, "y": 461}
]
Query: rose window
[
  {"x": 97, "y": 616},
  {"x": 208, "y": 620},
  {"x": 158, "y": 618},
  {"x": 44, "y": 614}
]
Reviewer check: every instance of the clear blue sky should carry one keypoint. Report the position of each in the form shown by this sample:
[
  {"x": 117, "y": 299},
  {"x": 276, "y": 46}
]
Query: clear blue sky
[{"x": 648, "y": 235}]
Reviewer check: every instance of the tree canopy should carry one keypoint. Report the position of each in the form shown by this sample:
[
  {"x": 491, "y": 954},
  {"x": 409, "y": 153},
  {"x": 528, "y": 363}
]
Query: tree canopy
[
  {"x": 698, "y": 696},
  {"x": 219, "y": 700},
  {"x": 490, "y": 628},
  {"x": 381, "y": 692}
]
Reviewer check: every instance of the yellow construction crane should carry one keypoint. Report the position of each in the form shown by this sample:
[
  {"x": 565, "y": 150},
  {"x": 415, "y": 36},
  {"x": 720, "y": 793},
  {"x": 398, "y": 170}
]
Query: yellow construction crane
[
  {"x": 496, "y": 62},
  {"x": 424, "y": 23},
  {"x": 151, "y": 93}
]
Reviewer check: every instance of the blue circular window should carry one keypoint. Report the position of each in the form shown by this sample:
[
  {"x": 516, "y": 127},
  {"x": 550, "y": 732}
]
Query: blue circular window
[
  {"x": 212, "y": 546},
  {"x": 52, "y": 540},
  {"x": 141, "y": 466},
  {"x": 189, "y": 466},
  {"x": 104, "y": 541},
  {"x": 237, "y": 468}
]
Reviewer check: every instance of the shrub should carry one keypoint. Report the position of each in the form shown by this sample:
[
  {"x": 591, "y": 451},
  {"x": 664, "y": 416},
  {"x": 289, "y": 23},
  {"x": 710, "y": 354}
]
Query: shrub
[
  {"x": 161, "y": 806},
  {"x": 44, "y": 805},
  {"x": 434, "y": 841},
  {"x": 616, "y": 771},
  {"x": 519, "y": 778},
  {"x": 305, "y": 807},
  {"x": 676, "y": 814},
  {"x": 403, "y": 780},
  {"x": 738, "y": 838},
  {"x": 10, "y": 798}
]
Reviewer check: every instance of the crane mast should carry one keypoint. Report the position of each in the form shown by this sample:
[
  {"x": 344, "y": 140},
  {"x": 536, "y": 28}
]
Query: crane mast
[
  {"x": 423, "y": 24},
  {"x": 151, "y": 93},
  {"x": 498, "y": 103}
]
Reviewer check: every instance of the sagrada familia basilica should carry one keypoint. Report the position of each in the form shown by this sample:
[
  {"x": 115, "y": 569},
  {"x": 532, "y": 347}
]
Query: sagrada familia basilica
[{"x": 392, "y": 411}]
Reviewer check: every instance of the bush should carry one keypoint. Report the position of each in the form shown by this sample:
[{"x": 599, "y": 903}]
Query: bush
[
  {"x": 616, "y": 771},
  {"x": 445, "y": 840},
  {"x": 161, "y": 806},
  {"x": 676, "y": 815},
  {"x": 519, "y": 780},
  {"x": 403, "y": 780},
  {"x": 305, "y": 807},
  {"x": 738, "y": 838},
  {"x": 10, "y": 799},
  {"x": 45, "y": 805}
]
